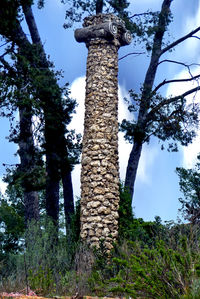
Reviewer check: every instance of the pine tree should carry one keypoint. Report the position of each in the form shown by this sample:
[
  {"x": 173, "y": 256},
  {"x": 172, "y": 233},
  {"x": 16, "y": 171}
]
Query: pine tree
[{"x": 47, "y": 98}]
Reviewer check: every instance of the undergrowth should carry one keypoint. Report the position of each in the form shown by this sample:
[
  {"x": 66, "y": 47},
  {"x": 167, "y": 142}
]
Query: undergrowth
[
  {"x": 164, "y": 269},
  {"x": 149, "y": 260}
]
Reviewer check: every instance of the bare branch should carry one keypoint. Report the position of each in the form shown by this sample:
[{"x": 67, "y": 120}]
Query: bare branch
[
  {"x": 6, "y": 65},
  {"x": 4, "y": 44},
  {"x": 140, "y": 14},
  {"x": 185, "y": 94},
  {"x": 181, "y": 63},
  {"x": 169, "y": 101},
  {"x": 175, "y": 81},
  {"x": 10, "y": 165},
  {"x": 133, "y": 53},
  {"x": 195, "y": 36},
  {"x": 169, "y": 117},
  {"x": 178, "y": 62},
  {"x": 9, "y": 50},
  {"x": 180, "y": 40}
]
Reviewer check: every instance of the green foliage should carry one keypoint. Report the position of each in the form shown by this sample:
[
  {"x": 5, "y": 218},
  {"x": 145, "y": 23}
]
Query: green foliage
[
  {"x": 12, "y": 221},
  {"x": 11, "y": 227},
  {"x": 75, "y": 225},
  {"x": 40, "y": 3},
  {"x": 189, "y": 182},
  {"x": 174, "y": 122},
  {"x": 147, "y": 272},
  {"x": 134, "y": 229},
  {"x": 159, "y": 271},
  {"x": 41, "y": 280},
  {"x": 41, "y": 84},
  {"x": 9, "y": 12},
  {"x": 44, "y": 261},
  {"x": 142, "y": 26},
  {"x": 166, "y": 268}
]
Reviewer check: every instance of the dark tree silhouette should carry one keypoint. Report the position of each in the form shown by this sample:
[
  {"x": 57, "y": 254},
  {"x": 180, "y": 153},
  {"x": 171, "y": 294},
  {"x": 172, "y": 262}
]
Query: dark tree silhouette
[{"x": 99, "y": 6}]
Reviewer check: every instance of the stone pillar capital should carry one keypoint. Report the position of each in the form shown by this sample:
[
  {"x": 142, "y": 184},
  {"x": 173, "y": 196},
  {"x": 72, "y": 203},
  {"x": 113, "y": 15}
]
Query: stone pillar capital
[{"x": 104, "y": 27}]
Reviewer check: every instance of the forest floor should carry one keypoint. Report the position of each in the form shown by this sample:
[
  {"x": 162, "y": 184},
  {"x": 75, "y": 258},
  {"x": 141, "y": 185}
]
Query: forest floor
[{"x": 32, "y": 295}]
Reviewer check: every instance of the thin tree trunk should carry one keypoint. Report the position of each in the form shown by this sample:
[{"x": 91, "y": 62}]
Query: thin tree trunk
[
  {"x": 52, "y": 170},
  {"x": 66, "y": 176},
  {"x": 52, "y": 166},
  {"x": 132, "y": 167},
  {"x": 68, "y": 197},
  {"x": 52, "y": 197},
  {"x": 31, "y": 206},
  {"x": 135, "y": 154}
]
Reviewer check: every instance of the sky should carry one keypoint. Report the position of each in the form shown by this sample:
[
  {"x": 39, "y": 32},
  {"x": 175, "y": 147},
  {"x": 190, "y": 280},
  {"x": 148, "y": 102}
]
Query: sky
[{"x": 156, "y": 189}]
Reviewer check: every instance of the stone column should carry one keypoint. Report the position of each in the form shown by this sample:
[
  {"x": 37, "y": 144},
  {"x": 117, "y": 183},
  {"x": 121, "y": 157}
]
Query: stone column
[{"x": 103, "y": 35}]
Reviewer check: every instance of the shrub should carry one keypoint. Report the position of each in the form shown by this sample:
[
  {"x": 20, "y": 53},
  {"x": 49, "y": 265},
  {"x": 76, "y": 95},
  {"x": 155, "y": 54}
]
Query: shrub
[
  {"x": 43, "y": 263},
  {"x": 159, "y": 271}
]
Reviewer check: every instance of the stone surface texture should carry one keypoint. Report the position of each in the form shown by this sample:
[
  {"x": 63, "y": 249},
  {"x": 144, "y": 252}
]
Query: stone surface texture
[{"x": 100, "y": 168}]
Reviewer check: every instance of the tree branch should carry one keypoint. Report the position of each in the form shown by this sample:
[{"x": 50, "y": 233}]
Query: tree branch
[
  {"x": 181, "y": 63},
  {"x": 155, "y": 55},
  {"x": 7, "y": 65},
  {"x": 133, "y": 53},
  {"x": 140, "y": 14},
  {"x": 195, "y": 36},
  {"x": 180, "y": 40},
  {"x": 169, "y": 101},
  {"x": 175, "y": 81},
  {"x": 4, "y": 44},
  {"x": 9, "y": 50},
  {"x": 35, "y": 36}
]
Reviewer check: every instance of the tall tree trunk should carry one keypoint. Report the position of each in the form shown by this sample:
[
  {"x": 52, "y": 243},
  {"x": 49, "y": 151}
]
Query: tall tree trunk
[
  {"x": 68, "y": 197},
  {"x": 27, "y": 157},
  {"x": 134, "y": 158},
  {"x": 54, "y": 135},
  {"x": 52, "y": 196},
  {"x": 66, "y": 176},
  {"x": 132, "y": 167},
  {"x": 52, "y": 168}
]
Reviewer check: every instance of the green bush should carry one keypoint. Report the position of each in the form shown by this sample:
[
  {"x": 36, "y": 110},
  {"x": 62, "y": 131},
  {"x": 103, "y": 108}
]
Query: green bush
[
  {"x": 134, "y": 229},
  {"x": 158, "y": 271},
  {"x": 164, "y": 263},
  {"x": 43, "y": 263}
]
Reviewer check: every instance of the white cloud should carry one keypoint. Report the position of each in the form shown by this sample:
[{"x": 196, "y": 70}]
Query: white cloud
[
  {"x": 190, "y": 153},
  {"x": 147, "y": 157},
  {"x": 191, "y": 48},
  {"x": 78, "y": 93},
  {"x": 147, "y": 160},
  {"x": 192, "y": 45},
  {"x": 124, "y": 146}
]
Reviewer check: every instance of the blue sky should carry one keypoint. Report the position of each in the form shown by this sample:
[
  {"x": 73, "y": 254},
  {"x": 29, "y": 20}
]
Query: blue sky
[{"x": 156, "y": 190}]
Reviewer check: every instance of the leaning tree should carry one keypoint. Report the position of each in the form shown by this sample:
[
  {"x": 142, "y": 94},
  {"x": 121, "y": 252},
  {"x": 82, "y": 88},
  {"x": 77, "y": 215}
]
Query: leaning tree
[{"x": 154, "y": 115}]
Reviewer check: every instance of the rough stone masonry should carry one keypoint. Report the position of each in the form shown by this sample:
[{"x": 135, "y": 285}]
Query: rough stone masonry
[{"x": 103, "y": 35}]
